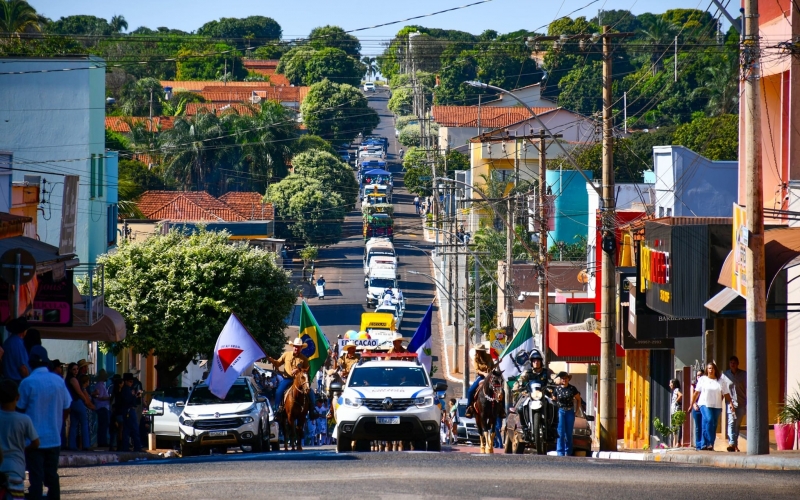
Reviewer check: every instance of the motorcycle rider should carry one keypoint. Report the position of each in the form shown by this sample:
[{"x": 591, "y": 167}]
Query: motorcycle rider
[{"x": 533, "y": 371}]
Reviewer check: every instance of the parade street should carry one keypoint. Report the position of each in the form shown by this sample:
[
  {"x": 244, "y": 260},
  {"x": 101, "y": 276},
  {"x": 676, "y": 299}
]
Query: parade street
[{"x": 324, "y": 474}]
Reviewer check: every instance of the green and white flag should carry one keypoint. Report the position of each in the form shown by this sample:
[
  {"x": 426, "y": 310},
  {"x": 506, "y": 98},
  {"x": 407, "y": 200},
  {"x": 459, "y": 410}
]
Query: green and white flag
[{"x": 522, "y": 342}]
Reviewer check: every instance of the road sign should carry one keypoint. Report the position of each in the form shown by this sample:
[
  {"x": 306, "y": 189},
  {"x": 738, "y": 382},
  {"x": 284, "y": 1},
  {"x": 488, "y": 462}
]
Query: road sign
[{"x": 8, "y": 265}]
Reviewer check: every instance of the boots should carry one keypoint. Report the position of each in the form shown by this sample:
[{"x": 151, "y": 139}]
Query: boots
[
  {"x": 470, "y": 413},
  {"x": 280, "y": 412}
]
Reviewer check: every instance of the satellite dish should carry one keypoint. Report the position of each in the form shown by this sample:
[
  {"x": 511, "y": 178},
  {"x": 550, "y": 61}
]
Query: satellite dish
[{"x": 583, "y": 277}]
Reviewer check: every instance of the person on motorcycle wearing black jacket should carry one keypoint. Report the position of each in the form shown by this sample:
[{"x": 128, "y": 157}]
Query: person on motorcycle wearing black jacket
[{"x": 533, "y": 371}]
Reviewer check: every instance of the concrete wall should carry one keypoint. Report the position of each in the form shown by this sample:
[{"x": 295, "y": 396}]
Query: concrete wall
[
  {"x": 530, "y": 95},
  {"x": 456, "y": 138},
  {"x": 54, "y": 122},
  {"x": 688, "y": 184}
]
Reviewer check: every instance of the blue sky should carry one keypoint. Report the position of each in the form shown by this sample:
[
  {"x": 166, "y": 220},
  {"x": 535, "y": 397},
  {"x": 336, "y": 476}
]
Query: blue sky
[{"x": 298, "y": 17}]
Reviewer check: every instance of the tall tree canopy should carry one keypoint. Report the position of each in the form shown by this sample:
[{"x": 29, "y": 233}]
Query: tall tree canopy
[{"x": 337, "y": 112}]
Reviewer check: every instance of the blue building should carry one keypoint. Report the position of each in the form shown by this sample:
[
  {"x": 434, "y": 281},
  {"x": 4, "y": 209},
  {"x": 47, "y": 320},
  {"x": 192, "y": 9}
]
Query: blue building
[{"x": 570, "y": 216}]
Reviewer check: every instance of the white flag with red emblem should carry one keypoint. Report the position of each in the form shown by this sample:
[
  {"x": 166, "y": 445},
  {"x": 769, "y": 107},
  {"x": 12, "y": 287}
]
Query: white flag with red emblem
[{"x": 236, "y": 350}]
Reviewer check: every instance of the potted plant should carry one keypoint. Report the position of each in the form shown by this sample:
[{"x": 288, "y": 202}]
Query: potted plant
[
  {"x": 788, "y": 417},
  {"x": 677, "y": 420}
]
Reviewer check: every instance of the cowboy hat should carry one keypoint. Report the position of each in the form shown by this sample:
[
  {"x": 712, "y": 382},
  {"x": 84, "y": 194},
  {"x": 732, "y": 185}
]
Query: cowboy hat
[
  {"x": 83, "y": 363},
  {"x": 127, "y": 377},
  {"x": 397, "y": 336},
  {"x": 298, "y": 342},
  {"x": 480, "y": 347}
]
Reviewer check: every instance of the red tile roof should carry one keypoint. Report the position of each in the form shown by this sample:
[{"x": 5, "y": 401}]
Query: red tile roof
[
  {"x": 248, "y": 205},
  {"x": 193, "y": 108},
  {"x": 491, "y": 117},
  {"x": 232, "y": 95},
  {"x": 263, "y": 64},
  {"x": 283, "y": 94},
  {"x": 200, "y": 85},
  {"x": 187, "y": 206},
  {"x": 121, "y": 123}
]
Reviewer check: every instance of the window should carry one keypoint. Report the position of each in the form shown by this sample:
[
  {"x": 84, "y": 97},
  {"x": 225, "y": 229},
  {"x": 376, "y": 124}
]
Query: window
[
  {"x": 389, "y": 377},
  {"x": 661, "y": 211},
  {"x": 238, "y": 393},
  {"x": 669, "y": 212}
]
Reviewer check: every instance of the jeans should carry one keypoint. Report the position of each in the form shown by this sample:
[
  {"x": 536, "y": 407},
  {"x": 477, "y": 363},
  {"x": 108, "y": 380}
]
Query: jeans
[
  {"x": 78, "y": 423},
  {"x": 710, "y": 421},
  {"x": 698, "y": 428},
  {"x": 735, "y": 423},
  {"x": 102, "y": 426},
  {"x": 498, "y": 434},
  {"x": 566, "y": 424},
  {"x": 130, "y": 431},
  {"x": 472, "y": 390},
  {"x": 42, "y": 465}
]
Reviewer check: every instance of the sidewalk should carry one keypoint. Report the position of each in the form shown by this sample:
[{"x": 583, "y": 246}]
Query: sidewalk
[
  {"x": 85, "y": 458},
  {"x": 776, "y": 460}
]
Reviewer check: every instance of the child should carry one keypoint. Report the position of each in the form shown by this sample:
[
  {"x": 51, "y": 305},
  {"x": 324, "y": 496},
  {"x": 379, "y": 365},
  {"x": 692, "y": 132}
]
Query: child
[
  {"x": 15, "y": 430},
  {"x": 322, "y": 423}
]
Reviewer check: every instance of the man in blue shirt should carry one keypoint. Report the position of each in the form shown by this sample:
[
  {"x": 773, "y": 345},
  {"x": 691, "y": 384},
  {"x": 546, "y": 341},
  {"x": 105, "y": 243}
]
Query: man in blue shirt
[
  {"x": 43, "y": 396},
  {"x": 15, "y": 359}
]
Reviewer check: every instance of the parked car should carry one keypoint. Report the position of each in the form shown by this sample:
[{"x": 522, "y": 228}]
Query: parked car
[
  {"x": 466, "y": 431},
  {"x": 243, "y": 418},
  {"x": 369, "y": 87},
  {"x": 165, "y": 410}
]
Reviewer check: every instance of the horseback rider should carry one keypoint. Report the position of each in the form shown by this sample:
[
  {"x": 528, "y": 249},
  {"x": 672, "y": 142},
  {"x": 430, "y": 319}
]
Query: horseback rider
[
  {"x": 346, "y": 362},
  {"x": 397, "y": 344},
  {"x": 293, "y": 363},
  {"x": 483, "y": 365}
]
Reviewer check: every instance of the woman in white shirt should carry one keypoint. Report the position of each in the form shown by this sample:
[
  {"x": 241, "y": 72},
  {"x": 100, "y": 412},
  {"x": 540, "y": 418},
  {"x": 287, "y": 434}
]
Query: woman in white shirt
[{"x": 708, "y": 395}]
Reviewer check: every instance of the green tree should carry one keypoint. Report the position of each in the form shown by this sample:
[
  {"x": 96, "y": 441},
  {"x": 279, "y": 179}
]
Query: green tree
[
  {"x": 193, "y": 147},
  {"x": 332, "y": 64},
  {"x": 116, "y": 141},
  {"x": 242, "y": 30},
  {"x": 136, "y": 97},
  {"x": 410, "y": 136},
  {"x": 337, "y": 112},
  {"x": 80, "y": 25},
  {"x": 335, "y": 37},
  {"x": 581, "y": 89},
  {"x": 177, "y": 291},
  {"x": 135, "y": 178},
  {"x": 210, "y": 61},
  {"x": 118, "y": 24},
  {"x": 716, "y": 138},
  {"x": 336, "y": 176},
  {"x": 306, "y": 210},
  {"x": 17, "y": 16},
  {"x": 659, "y": 36},
  {"x": 309, "y": 141},
  {"x": 402, "y": 101},
  {"x": 369, "y": 63}
]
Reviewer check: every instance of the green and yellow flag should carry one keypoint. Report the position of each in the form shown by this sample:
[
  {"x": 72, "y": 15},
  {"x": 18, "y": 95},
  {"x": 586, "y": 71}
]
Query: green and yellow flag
[{"x": 317, "y": 347}]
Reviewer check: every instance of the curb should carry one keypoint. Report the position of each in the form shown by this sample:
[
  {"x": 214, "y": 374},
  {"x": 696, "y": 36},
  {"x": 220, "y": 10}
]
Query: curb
[
  {"x": 88, "y": 459},
  {"x": 710, "y": 460}
]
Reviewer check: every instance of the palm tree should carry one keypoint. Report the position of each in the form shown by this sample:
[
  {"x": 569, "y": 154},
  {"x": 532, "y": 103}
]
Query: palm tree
[
  {"x": 660, "y": 35},
  {"x": 721, "y": 88},
  {"x": 370, "y": 63},
  {"x": 192, "y": 148},
  {"x": 17, "y": 16},
  {"x": 118, "y": 24}
]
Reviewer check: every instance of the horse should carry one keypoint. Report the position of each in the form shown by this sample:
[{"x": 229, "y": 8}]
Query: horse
[
  {"x": 296, "y": 405},
  {"x": 489, "y": 405}
]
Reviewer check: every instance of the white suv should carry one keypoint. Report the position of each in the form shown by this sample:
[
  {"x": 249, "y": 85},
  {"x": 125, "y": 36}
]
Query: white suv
[
  {"x": 369, "y": 87},
  {"x": 388, "y": 401},
  {"x": 241, "y": 419}
]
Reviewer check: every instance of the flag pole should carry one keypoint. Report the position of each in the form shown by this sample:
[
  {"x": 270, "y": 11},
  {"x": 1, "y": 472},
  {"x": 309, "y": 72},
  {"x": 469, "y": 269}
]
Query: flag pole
[{"x": 263, "y": 351}]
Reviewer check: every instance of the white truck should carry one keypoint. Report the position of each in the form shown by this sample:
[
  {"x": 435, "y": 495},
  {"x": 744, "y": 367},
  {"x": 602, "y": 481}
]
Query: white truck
[
  {"x": 379, "y": 279},
  {"x": 388, "y": 400},
  {"x": 379, "y": 250}
]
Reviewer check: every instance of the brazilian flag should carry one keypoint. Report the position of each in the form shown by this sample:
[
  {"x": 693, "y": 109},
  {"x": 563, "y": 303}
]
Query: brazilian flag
[{"x": 317, "y": 347}]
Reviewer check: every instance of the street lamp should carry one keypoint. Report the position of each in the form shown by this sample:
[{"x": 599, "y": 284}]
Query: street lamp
[
  {"x": 481, "y": 85},
  {"x": 465, "y": 382}
]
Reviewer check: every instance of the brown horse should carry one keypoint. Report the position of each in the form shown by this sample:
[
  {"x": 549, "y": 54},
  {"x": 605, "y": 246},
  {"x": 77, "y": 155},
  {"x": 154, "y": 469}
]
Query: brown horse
[
  {"x": 296, "y": 404},
  {"x": 489, "y": 405}
]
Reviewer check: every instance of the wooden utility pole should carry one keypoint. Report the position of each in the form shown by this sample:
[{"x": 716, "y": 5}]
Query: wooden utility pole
[
  {"x": 608, "y": 355},
  {"x": 543, "y": 258},
  {"x": 509, "y": 295},
  {"x": 756, "y": 317}
]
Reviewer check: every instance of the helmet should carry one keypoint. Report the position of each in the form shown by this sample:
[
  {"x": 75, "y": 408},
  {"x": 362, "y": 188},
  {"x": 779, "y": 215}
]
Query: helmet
[{"x": 535, "y": 354}]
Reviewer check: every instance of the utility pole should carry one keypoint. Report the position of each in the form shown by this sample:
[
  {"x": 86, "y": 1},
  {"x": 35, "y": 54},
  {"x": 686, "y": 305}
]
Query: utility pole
[
  {"x": 151, "y": 111},
  {"x": 608, "y": 355},
  {"x": 454, "y": 280},
  {"x": 477, "y": 284},
  {"x": 757, "y": 415},
  {"x": 508, "y": 270},
  {"x": 466, "y": 312},
  {"x": 543, "y": 258}
]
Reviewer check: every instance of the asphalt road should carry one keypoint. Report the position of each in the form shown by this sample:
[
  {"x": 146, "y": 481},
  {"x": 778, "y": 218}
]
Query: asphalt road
[
  {"x": 326, "y": 475},
  {"x": 342, "y": 265}
]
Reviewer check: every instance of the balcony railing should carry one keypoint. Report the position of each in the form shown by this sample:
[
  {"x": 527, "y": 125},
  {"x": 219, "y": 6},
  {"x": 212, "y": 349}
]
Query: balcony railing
[{"x": 90, "y": 280}]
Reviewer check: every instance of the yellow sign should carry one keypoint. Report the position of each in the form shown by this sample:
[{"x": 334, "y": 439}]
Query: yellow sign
[
  {"x": 740, "y": 238},
  {"x": 497, "y": 339},
  {"x": 380, "y": 321}
]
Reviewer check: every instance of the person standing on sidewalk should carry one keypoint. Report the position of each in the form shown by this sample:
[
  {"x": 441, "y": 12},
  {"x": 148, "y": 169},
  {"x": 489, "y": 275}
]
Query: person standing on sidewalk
[
  {"x": 129, "y": 399},
  {"x": 565, "y": 396},
  {"x": 676, "y": 404},
  {"x": 102, "y": 403},
  {"x": 44, "y": 397},
  {"x": 736, "y": 380},
  {"x": 15, "y": 359},
  {"x": 709, "y": 395},
  {"x": 697, "y": 417},
  {"x": 416, "y": 204}
]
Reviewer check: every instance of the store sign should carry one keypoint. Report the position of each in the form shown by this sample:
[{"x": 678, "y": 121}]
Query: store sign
[
  {"x": 52, "y": 305},
  {"x": 740, "y": 242},
  {"x": 655, "y": 269}
]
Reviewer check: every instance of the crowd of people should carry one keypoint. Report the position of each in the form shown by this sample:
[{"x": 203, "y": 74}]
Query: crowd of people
[{"x": 48, "y": 406}]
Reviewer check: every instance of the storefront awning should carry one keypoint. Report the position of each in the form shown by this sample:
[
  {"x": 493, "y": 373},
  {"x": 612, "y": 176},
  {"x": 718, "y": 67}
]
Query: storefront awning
[
  {"x": 572, "y": 341},
  {"x": 781, "y": 247},
  {"x": 109, "y": 328},
  {"x": 721, "y": 300}
]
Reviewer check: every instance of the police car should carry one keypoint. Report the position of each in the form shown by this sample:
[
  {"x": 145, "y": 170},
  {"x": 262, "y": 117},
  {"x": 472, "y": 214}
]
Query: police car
[{"x": 388, "y": 397}]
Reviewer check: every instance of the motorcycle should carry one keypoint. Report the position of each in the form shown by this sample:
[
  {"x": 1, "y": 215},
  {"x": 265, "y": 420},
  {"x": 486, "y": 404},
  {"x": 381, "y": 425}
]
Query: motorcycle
[{"x": 537, "y": 418}]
